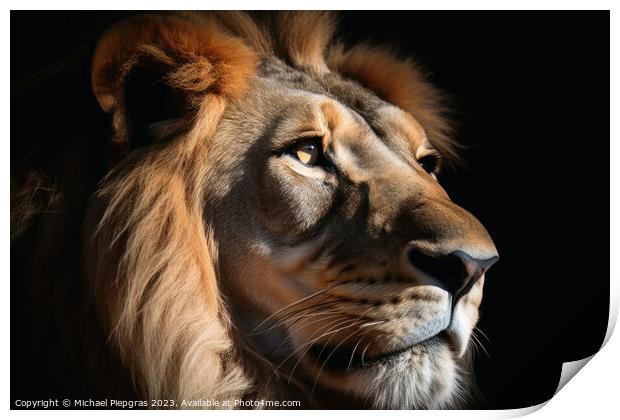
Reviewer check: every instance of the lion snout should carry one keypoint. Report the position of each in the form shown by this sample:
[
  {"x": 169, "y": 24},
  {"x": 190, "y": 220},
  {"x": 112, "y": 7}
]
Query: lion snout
[{"x": 455, "y": 271}]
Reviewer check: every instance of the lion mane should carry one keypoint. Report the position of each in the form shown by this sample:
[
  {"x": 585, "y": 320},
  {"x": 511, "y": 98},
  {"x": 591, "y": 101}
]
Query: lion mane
[{"x": 108, "y": 238}]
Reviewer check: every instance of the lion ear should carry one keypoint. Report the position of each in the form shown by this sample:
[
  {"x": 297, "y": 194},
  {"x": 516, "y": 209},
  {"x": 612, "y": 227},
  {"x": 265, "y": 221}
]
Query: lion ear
[
  {"x": 158, "y": 68},
  {"x": 400, "y": 82}
]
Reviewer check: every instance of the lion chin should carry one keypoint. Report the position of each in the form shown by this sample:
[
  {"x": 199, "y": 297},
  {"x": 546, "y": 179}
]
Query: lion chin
[
  {"x": 420, "y": 377},
  {"x": 250, "y": 212}
]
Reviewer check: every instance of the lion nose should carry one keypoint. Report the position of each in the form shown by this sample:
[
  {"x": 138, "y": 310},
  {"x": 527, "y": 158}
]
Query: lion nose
[{"x": 457, "y": 271}]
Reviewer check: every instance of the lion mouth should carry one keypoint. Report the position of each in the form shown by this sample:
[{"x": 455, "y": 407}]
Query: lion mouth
[{"x": 346, "y": 359}]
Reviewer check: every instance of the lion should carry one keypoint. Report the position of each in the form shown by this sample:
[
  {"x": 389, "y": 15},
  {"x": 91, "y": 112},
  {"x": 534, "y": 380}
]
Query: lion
[{"x": 250, "y": 212}]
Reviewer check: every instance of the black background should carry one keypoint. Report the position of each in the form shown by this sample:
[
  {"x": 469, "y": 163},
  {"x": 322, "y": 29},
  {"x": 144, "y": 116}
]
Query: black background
[{"x": 530, "y": 93}]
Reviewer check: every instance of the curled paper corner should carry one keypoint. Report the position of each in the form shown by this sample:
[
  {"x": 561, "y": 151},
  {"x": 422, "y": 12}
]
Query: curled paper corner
[
  {"x": 516, "y": 412},
  {"x": 613, "y": 314},
  {"x": 570, "y": 369}
]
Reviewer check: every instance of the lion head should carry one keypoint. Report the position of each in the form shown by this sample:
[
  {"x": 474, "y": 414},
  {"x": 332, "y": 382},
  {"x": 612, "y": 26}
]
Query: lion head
[{"x": 270, "y": 224}]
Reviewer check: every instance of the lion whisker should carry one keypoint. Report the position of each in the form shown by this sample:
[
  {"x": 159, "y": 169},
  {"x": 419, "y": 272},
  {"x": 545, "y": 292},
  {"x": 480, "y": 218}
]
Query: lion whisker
[
  {"x": 483, "y": 334},
  {"x": 302, "y": 315},
  {"x": 364, "y": 352},
  {"x": 330, "y": 355},
  {"x": 353, "y": 353},
  {"x": 307, "y": 346},
  {"x": 328, "y": 341},
  {"x": 314, "y": 321},
  {"x": 305, "y": 300},
  {"x": 478, "y": 343},
  {"x": 296, "y": 314},
  {"x": 366, "y": 334},
  {"x": 293, "y": 304}
]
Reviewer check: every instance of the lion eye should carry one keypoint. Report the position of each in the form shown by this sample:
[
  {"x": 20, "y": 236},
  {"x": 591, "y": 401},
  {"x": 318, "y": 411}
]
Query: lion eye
[
  {"x": 307, "y": 152},
  {"x": 429, "y": 163}
]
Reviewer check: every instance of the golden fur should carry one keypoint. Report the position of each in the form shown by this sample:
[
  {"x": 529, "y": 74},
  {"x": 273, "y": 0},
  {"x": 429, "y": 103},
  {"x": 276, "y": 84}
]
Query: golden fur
[
  {"x": 149, "y": 259},
  {"x": 400, "y": 82}
]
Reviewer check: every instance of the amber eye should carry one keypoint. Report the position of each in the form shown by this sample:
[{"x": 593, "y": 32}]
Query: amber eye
[
  {"x": 307, "y": 152},
  {"x": 429, "y": 163}
]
